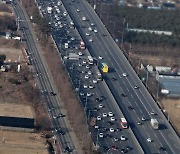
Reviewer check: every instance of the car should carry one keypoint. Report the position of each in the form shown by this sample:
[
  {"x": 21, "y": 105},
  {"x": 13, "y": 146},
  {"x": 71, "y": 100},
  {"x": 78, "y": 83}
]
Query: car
[
  {"x": 113, "y": 147},
  {"x": 124, "y": 151},
  {"x": 90, "y": 40},
  {"x": 67, "y": 149},
  {"x": 60, "y": 115},
  {"x": 61, "y": 132},
  {"x": 113, "y": 78},
  {"x": 86, "y": 76},
  {"x": 83, "y": 72},
  {"x": 105, "y": 148},
  {"x": 80, "y": 53},
  {"x": 136, "y": 87},
  {"x": 129, "y": 148},
  {"x": 110, "y": 123},
  {"x": 123, "y": 138},
  {"x": 149, "y": 139},
  {"x": 94, "y": 81},
  {"x": 130, "y": 108},
  {"x": 54, "y": 117},
  {"x": 83, "y": 18},
  {"x": 118, "y": 129},
  {"x": 85, "y": 86},
  {"x": 101, "y": 135},
  {"x": 98, "y": 118},
  {"x": 52, "y": 93},
  {"x": 77, "y": 10},
  {"x": 139, "y": 123},
  {"x": 90, "y": 28},
  {"x": 125, "y": 75},
  {"x": 87, "y": 66},
  {"x": 116, "y": 139},
  {"x": 162, "y": 148},
  {"x": 112, "y": 119},
  {"x": 123, "y": 95},
  {"x": 97, "y": 99},
  {"x": 111, "y": 129},
  {"x": 65, "y": 13},
  {"x": 84, "y": 62},
  {"x": 89, "y": 94},
  {"x": 95, "y": 30},
  {"x": 102, "y": 98},
  {"x": 91, "y": 87},
  {"x": 110, "y": 114},
  {"x": 87, "y": 34},
  {"x": 79, "y": 64},
  {"x": 152, "y": 113},
  {"x": 100, "y": 57},
  {"x": 100, "y": 106},
  {"x": 96, "y": 126},
  {"x": 104, "y": 114},
  {"x": 81, "y": 94},
  {"x": 92, "y": 24},
  {"x": 89, "y": 72},
  {"x": 143, "y": 118}
]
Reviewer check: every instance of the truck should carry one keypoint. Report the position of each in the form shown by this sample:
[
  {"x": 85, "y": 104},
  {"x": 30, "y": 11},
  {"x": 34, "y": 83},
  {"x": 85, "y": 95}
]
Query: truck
[
  {"x": 49, "y": 10},
  {"x": 154, "y": 123}
]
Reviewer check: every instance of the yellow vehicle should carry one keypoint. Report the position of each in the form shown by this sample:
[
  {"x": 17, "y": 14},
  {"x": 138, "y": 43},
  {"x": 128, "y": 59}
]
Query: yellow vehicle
[{"x": 104, "y": 68}]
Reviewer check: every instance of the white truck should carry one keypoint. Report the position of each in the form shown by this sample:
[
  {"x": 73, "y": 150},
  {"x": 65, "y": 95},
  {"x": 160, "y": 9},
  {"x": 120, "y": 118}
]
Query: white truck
[{"x": 154, "y": 123}]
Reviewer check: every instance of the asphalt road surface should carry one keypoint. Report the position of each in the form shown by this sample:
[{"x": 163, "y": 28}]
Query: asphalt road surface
[{"x": 103, "y": 45}]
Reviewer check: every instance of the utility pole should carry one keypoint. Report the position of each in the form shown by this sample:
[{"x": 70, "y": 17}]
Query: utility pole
[{"x": 122, "y": 37}]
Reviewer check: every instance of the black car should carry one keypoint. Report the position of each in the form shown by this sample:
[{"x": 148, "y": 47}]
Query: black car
[
  {"x": 52, "y": 93},
  {"x": 113, "y": 78},
  {"x": 105, "y": 148},
  {"x": 162, "y": 149},
  {"x": 129, "y": 148},
  {"x": 123, "y": 95},
  {"x": 130, "y": 108},
  {"x": 97, "y": 99},
  {"x": 67, "y": 149}
]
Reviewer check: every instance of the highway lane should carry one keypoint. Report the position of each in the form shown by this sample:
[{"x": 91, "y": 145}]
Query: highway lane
[
  {"x": 44, "y": 81},
  {"x": 143, "y": 104}
]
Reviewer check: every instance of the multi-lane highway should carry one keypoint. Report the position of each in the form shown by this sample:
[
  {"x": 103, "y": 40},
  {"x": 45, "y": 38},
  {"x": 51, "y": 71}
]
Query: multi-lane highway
[
  {"x": 95, "y": 97},
  {"x": 163, "y": 140},
  {"x": 60, "y": 129}
]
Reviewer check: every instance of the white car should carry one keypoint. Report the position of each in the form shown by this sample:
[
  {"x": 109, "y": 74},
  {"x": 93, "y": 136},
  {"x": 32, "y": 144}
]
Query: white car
[
  {"x": 90, "y": 40},
  {"x": 96, "y": 126},
  {"x": 149, "y": 140},
  {"x": 143, "y": 118},
  {"x": 111, "y": 129},
  {"x": 91, "y": 87},
  {"x": 87, "y": 66},
  {"x": 101, "y": 135},
  {"x": 84, "y": 62},
  {"x": 95, "y": 30},
  {"x": 123, "y": 138},
  {"x": 85, "y": 86},
  {"x": 152, "y": 113},
  {"x": 112, "y": 119},
  {"x": 65, "y": 13},
  {"x": 87, "y": 34},
  {"x": 78, "y": 10},
  {"x": 90, "y": 29},
  {"x": 100, "y": 106},
  {"x": 80, "y": 53},
  {"x": 110, "y": 114},
  {"x": 54, "y": 117},
  {"x": 81, "y": 94},
  {"x": 124, "y": 75},
  {"x": 100, "y": 57},
  {"x": 104, "y": 114},
  {"x": 98, "y": 117},
  {"x": 83, "y": 18},
  {"x": 94, "y": 81},
  {"x": 86, "y": 76},
  {"x": 89, "y": 72},
  {"x": 89, "y": 94},
  {"x": 116, "y": 139},
  {"x": 92, "y": 24}
]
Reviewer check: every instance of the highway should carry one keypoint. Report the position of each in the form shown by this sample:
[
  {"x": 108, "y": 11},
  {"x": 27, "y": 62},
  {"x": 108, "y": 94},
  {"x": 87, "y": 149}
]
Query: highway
[
  {"x": 61, "y": 132},
  {"x": 139, "y": 98},
  {"x": 77, "y": 71}
]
